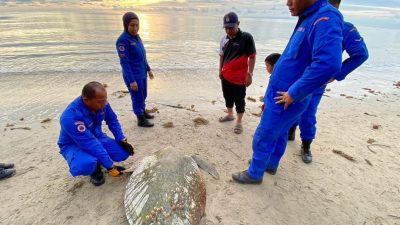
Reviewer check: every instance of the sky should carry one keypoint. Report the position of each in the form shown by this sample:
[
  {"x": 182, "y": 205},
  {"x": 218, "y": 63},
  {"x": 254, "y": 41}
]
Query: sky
[
  {"x": 130, "y": 3},
  {"x": 253, "y": 8}
]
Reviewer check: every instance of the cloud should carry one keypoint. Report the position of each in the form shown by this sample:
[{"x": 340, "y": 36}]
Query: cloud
[{"x": 271, "y": 7}]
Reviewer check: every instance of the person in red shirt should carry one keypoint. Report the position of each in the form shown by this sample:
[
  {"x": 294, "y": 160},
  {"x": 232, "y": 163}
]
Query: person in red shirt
[{"x": 237, "y": 59}]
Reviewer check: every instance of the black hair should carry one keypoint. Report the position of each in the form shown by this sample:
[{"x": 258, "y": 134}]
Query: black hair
[
  {"x": 335, "y": 2},
  {"x": 272, "y": 58},
  {"x": 89, "y": 90}
]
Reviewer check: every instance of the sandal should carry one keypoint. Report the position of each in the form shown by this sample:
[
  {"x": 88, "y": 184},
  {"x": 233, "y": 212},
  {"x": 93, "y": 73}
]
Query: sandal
[
  {"x": 226, "y": 118},
  {"x": 238, "y": 128}
]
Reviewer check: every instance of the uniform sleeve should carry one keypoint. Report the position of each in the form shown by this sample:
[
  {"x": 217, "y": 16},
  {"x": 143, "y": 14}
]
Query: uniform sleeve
[
  {"x": 124, "y": 60},
  {"x": 356, "y": 49},
  {"x": 85, "y": 140},
  {"x": 147, "y": 65},
  {"x": 113, "y": 123},
  {"x": 251, "y": 47},
  {"x": 326, "y": 41}
]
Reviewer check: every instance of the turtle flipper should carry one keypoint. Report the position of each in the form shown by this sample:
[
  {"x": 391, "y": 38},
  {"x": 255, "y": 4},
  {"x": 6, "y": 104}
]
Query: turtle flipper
[{"x": 204, "y": 165}]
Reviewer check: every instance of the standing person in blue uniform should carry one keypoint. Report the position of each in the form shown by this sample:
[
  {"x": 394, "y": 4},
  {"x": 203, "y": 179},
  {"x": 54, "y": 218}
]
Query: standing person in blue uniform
[
  {"x": 313, "y": 54},
  {"x": 135, "y": 67},
  {"x": 83, "y": 143},
  {"x": 357, "y": 50},
  {"x": 237, "y": 59}
]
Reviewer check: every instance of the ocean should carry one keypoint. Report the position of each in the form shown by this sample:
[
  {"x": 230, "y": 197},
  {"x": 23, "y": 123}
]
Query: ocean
[{"x": 47, "y": 54}]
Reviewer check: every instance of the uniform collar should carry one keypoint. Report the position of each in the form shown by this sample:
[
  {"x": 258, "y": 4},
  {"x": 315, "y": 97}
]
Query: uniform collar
[
  {"x": 318, "y": 4},
  {"x": 83, "y": 107},
  {"x": 129, "y": 35}
]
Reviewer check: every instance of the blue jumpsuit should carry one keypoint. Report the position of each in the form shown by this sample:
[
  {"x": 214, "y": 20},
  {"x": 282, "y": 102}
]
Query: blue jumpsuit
[
  {"x": 313, "y": 54},
  {"x": 82, "y": 142},
  {"x": 355, "y": 47},
  {"x": 132, "y": 55}
]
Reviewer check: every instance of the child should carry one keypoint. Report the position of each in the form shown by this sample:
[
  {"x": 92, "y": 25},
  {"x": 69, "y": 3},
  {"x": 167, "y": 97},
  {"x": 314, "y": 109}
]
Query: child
[{"x": 270, "y": 62}]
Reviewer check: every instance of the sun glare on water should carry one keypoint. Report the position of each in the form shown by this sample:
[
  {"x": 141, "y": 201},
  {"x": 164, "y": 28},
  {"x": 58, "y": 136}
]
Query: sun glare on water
[{"x": 141, "y": 2}]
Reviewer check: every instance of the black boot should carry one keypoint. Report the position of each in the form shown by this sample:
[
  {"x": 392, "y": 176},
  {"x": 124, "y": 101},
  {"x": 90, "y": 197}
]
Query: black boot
[
  {"x": 268, "y": 170},
  {"x": 6, "y": 165},
  {"x": 244, "y": 178},
  {"x": 143, "y": 122},
  {"x": 97, "y": 178},
  {"x": 292, "y": 133},
  {"x": 148, "y": 115},
  {"x": 6, "y": 173},
  {"x": 306, "y": 151}
]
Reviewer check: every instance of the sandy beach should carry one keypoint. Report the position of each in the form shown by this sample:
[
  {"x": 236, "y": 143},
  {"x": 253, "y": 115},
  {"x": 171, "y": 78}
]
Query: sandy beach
[{"x": 357, "y": 186}]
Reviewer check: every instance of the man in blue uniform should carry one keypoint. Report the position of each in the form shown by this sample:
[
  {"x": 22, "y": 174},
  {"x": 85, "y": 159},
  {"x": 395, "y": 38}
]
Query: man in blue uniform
[
  {"x": 83, "y": 143},
  {"x": 313, "y": 54},
  {"x": 355, "y": 47}
]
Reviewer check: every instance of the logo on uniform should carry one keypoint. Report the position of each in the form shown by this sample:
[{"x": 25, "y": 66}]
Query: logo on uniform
[
  {"x": 81, "y": 128},
  {"x": 301, "y": 29},
  {"x": 121, "y": 48},
  {"x": 227, "y": 19}
]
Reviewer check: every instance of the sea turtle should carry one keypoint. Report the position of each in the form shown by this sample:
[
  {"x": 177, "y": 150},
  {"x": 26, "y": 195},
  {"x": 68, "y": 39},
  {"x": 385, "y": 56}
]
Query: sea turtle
[{"x": 167, "y": 188}]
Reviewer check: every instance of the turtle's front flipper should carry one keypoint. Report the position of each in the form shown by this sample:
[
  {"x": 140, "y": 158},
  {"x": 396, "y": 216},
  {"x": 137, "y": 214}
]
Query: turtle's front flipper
[{"x": 204, "y": 165}]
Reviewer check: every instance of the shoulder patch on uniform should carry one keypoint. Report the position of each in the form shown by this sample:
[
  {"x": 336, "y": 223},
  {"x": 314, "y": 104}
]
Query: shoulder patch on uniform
[
  {"x": 320, "y": 19},
  {"x": 301, "y": 29},
  {"x": 81, "y": 128},
  {"x": 121, "y": 48}
]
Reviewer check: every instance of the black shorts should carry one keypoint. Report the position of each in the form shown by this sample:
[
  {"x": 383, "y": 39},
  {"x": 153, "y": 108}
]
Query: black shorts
[{"x": 234, "y": 94}]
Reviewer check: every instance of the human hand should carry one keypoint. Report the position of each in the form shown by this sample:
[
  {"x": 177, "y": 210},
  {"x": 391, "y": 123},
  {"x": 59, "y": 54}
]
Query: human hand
[
  {"x": 116, "y": 171},
  {"x": 151, "y": 75},
  {"x": 134, "y": 86},
  {"x": 249, "y": 79},
  {"x": 285, "y": 98},
  {"x": 128, "y": 147}
]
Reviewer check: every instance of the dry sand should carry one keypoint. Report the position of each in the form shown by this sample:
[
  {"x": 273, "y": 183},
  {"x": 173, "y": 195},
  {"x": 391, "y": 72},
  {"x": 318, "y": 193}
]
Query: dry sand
[{"x": 331, "y": 190}]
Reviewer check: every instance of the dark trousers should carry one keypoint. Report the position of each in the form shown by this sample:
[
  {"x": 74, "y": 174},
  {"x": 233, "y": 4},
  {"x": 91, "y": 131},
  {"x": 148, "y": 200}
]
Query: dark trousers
[{"x": 234, "y": 95}]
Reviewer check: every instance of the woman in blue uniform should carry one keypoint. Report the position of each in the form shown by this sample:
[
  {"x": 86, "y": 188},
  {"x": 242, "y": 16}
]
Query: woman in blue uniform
[{"x": 135, "y": 68}]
